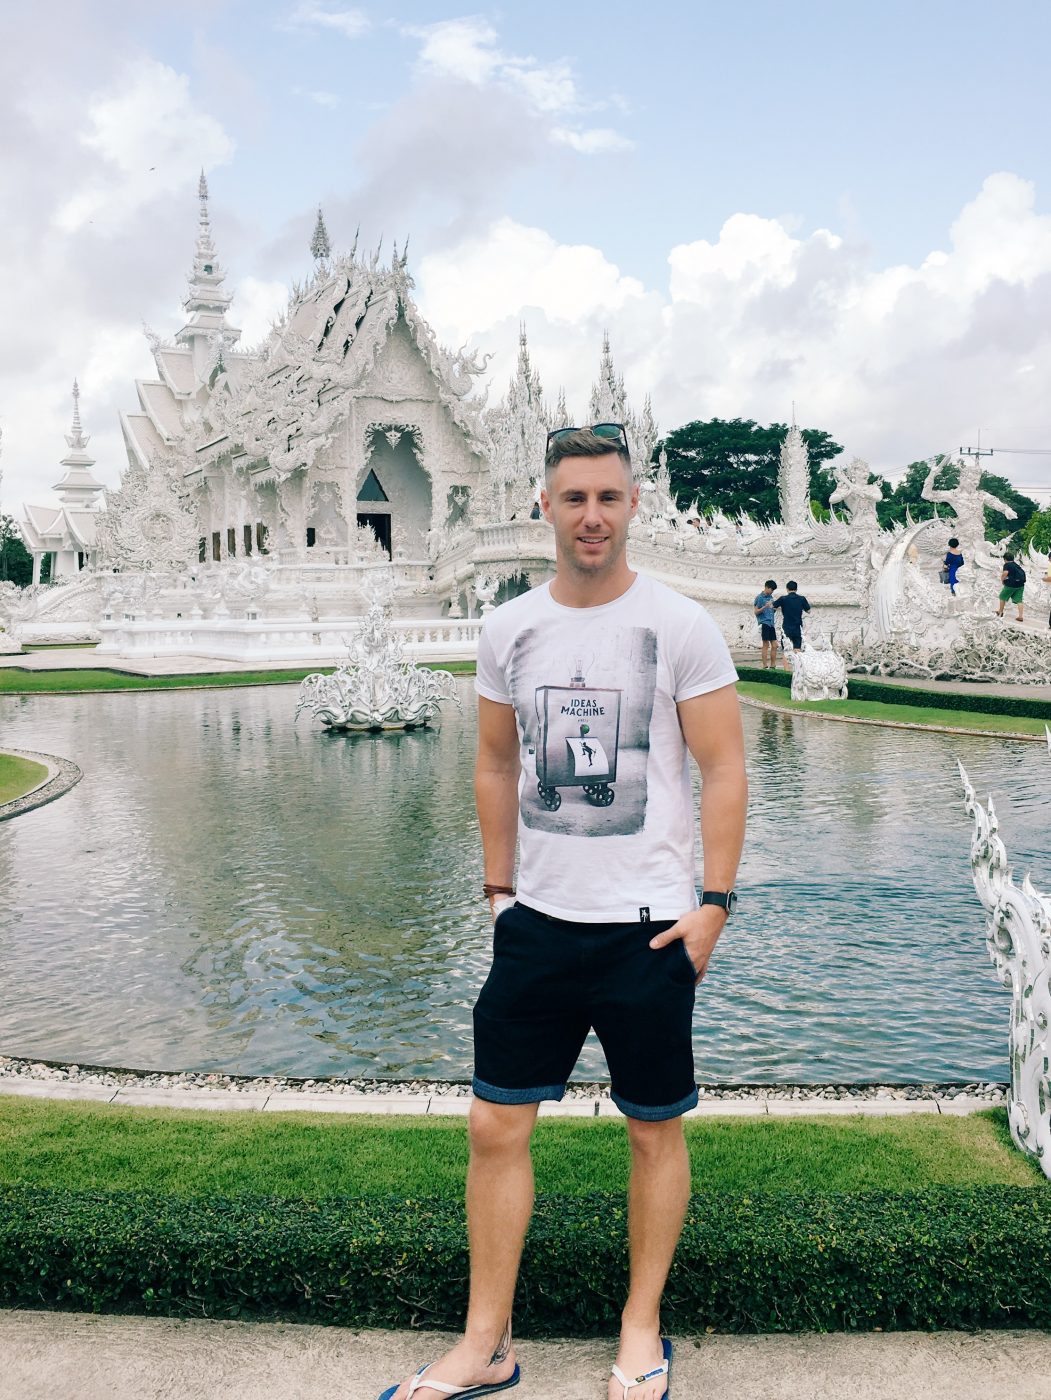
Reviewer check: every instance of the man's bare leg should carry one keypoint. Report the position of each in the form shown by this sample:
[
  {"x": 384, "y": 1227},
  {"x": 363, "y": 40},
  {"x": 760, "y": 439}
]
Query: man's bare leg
[
  {"x": 499, "y": 1204},
  {"x": 657, "y": 1201}
]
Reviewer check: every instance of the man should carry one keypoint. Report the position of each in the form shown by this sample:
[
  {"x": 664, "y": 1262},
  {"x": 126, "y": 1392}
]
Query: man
[
  {"x": 792, "y": 605},
  {"x": 1013, "y": 591},
  {"x": 606, "y": 931},
  {"x": 763, "y": 607}
]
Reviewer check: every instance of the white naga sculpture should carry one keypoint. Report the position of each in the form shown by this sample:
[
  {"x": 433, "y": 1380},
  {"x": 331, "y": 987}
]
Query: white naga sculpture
[
  {"x": 818, "y": 673},
  {"x": 376, "y": 688},
  {"x": 1018, "y": 936}
]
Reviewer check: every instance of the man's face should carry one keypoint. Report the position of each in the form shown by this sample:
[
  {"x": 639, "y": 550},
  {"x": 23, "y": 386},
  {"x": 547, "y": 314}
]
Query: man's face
[{"x": 590, "y": 501}]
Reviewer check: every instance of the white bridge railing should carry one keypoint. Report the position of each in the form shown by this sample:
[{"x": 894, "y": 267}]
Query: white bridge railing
[
  {"x": 266, "y": 640},
  {"x": 1018, "y": 936}
]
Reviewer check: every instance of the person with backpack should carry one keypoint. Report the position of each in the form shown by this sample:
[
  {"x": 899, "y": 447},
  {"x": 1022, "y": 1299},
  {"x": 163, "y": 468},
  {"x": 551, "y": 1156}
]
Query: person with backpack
[{"x": 1013, "y": 590}]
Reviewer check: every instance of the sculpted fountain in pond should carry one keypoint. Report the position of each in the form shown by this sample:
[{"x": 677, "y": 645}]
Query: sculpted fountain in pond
[{"x": 377, "y": 687}]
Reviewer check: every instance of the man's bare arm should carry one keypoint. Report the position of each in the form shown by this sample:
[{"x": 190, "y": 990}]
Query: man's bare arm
[
  {"x": 711, "y": 726},
  {"x": 496, "y": 772}
]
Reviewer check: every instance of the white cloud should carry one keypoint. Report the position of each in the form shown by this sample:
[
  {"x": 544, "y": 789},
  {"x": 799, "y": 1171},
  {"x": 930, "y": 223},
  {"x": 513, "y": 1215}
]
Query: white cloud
[
  {"x": 465, "y": 50},
  {"x": 309, "y": 15},
  {"x": 319, "y": 98},
  {"x": 148, "y": 139},
  {"x": 494, "y": 275},
  {"x": 595, "y": 140},
  {"x": 895, "y": 362},
  {"x": 256, "y": 306}
]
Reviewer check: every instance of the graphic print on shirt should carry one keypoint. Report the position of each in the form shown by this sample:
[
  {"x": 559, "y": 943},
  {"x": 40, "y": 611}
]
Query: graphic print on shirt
[{"x": 584, "y": 702}]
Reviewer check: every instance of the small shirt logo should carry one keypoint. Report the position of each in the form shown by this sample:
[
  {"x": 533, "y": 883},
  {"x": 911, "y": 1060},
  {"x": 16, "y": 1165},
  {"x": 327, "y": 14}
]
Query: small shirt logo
[{"x": 644, "y": 914}]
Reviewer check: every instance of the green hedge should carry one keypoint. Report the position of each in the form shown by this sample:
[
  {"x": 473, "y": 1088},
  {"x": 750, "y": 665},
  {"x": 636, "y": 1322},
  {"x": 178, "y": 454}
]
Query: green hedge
[
  {"x": 861, "y": 689},
  {"x": 936, "y": 1258}
]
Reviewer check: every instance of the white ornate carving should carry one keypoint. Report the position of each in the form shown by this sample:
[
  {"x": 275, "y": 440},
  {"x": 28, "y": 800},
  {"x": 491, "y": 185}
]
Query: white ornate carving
[
  {"x": 376, "y": 688},
  {"x": 147, "y": 523},
  {"x": 818, "y": 672},
  {"x": 1018, "y": 936},
  {"x": 793, "y": 485}
]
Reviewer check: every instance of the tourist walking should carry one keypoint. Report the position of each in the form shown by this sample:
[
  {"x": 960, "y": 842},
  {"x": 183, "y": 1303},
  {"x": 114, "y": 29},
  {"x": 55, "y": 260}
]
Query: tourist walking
[
  {"x": 604, "y": 929},
  {"x": 792, "y": 605},
  {"x": 952, "y": 564},
  {"x": 763, "y": 607},
  {"x": 1013, "y": 591}
]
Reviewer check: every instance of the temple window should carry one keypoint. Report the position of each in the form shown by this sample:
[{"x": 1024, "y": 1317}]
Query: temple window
[
  {"x": 231, "y": 542},
  {"x": 311, "y": 536},
  {"x": 248, "y": 539},
  {"x": 260, "y": 538},
  {"x": 202, "y": 550},
  {"x": 217, "y": 552}
]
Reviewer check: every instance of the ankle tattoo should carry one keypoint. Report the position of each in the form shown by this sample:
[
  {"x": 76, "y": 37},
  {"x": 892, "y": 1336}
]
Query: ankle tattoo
[{"x": 503, "y": 1347}]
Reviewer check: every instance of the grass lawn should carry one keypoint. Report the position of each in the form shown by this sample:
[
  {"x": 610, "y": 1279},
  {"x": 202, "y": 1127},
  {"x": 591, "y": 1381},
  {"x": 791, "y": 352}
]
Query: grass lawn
[
  {"x": 194, "y": 1153},
  {"x": 18, "y": 775},
  {"x": 18, "y": 682},
  {"x": 903, "y": 714}
]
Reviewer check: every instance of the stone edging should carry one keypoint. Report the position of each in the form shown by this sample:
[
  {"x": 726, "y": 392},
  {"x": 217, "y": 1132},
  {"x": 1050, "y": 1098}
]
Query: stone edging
[
  {"x": 134, "y": 1088},
  {"x": 892, "y": 723},
  {"x": 62, "y": 774}
]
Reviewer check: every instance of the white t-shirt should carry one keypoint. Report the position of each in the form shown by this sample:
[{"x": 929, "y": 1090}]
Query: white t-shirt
[{"x": 607, "y": 827}]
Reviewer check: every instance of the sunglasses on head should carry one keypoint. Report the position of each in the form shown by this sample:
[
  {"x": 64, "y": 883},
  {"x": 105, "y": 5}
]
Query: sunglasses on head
[{"x": 600, "y": 430}]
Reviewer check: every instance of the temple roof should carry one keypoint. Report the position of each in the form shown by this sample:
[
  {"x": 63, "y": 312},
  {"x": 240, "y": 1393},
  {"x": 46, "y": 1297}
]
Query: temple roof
[{"x": 55, "y": 528}]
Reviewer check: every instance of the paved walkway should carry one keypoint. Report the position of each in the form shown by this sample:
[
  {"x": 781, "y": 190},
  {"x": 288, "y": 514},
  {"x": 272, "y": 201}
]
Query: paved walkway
[
  {"x": 436, "y": 1105},
  {"x": 69, "y": 1356}
]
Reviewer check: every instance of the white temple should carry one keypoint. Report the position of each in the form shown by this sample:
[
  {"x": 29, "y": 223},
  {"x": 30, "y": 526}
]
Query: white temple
[
  {"x": 266, "y": 486},
  {"x": 67, "y": 532}
]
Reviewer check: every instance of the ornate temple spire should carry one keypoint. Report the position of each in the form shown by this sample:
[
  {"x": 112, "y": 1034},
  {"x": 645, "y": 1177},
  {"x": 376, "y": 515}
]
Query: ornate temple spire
[
  {"x": 793, "y": 480},
  {"x": 78, "y": 487},
  {"x": 206, "y": 331},
  {"x": 607, "y": 394},
  {"x": 75, "y": 439},
  {"x": 320, "y": 245}
]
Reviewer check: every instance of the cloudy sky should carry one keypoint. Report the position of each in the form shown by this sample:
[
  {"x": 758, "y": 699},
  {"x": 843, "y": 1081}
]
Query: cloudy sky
[{"x": 842, "y": 205}]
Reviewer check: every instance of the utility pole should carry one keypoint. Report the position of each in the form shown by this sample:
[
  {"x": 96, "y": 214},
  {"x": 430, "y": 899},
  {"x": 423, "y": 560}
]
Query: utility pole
[{"x": 976, "y": 452}]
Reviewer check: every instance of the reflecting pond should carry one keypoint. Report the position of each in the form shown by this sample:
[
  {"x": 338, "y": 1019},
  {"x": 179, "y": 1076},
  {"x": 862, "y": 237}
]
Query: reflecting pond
[{"x": 225, "y": 890}]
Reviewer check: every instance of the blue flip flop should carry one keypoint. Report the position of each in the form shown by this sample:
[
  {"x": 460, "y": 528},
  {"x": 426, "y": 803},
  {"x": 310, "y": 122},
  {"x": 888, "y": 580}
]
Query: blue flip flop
[
  {"x": 460, "y": 1392},
  {"x": 664, "y": 1369}
]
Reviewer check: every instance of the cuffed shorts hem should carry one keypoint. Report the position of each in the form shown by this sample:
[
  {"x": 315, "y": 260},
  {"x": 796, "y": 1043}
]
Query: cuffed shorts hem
[
  {"x": 493, "y": 1094},
  {"x": 650, "y": 1113}
]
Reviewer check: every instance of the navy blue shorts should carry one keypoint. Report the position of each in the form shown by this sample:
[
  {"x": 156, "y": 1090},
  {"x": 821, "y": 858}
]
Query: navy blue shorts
[
  {"x": 796, "y": 638},
  {"x": 768, "y": 631},
  {"x": 552, "y": 981}
]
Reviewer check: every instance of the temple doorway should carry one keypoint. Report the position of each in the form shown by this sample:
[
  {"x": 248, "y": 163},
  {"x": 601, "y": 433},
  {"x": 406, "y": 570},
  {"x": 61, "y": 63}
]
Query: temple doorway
[{"x": 380, "y": 527}]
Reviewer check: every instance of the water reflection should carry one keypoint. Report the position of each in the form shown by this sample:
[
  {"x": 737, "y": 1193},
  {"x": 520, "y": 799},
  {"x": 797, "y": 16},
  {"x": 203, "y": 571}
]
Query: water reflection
[{"x": 224, "y": 890}]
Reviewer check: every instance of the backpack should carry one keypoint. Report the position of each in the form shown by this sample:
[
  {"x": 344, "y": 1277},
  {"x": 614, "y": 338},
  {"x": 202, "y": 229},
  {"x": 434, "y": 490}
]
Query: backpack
[{"x": 1016, "y": 575}]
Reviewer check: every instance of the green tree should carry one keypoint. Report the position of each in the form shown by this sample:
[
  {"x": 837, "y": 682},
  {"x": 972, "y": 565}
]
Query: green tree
[
  {"x": 1037, "y": 533},
  {"x": 905, "y": 498},
  {"x": 16, "y": 563},
  {"x": 731, "y": 465}
]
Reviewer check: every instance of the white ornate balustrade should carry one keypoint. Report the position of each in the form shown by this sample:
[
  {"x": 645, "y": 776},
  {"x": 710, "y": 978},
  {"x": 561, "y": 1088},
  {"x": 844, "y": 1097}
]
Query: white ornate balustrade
[
  {"x": 285, "y": 639},
  {"x": 1018, "y": 936}
]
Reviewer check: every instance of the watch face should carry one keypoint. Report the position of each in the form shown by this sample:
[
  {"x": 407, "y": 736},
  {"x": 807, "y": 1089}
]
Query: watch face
[{"x": 731, "y": 902}]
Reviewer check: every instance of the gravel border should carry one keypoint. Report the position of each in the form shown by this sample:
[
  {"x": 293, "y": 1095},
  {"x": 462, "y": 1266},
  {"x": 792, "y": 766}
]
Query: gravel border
[
  {"x": 58, "y": 1076},
  {"x": 62, "y": 774}
]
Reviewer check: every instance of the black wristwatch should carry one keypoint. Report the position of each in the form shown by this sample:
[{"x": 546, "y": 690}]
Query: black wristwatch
[{"x": 726, "y": 900}]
